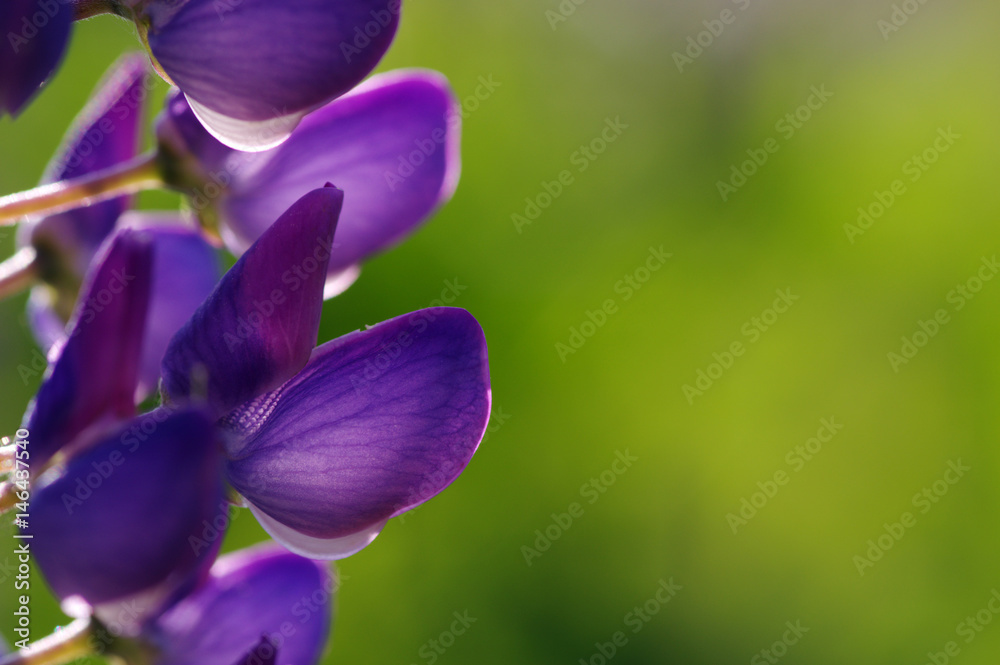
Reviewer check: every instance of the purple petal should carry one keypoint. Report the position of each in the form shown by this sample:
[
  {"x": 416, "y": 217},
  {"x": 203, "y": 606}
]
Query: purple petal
[
  {"x": 185, "y": 270},
  {"x": 105, "y": 133},
  {"x": 35, "y": 34},
  {"x": 258, "y": 327},
  {"x": 242, "y": 608},
  {"x": 93, "y": 376},
  {"x": 378, "y": 422},
  {"x": 127, "y": 516},
  {"x": 392, "y": 146},
  {"x": 254, "y": 67}
]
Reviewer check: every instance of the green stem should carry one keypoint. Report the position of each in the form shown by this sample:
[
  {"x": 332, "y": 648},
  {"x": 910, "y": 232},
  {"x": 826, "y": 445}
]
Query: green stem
[
  {"x": 127, "y": 178},
  {"x": 61, "y": 647},
  {"x": 18, "y": 273}
]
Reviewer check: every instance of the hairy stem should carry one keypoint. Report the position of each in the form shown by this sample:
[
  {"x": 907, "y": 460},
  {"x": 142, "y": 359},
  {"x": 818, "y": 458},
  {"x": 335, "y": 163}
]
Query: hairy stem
[
  {"x": 127, "y": 178},
  {"x": 18, "y": 273}
]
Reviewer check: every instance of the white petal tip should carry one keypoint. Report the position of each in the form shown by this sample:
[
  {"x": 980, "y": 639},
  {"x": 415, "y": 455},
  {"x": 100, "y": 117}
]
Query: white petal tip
[
  {"x": 246, "y": 135},
  {"x": 326, "y": 549}
]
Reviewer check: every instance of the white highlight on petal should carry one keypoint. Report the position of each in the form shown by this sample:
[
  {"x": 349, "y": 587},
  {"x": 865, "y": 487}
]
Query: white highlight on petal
[
  {"x": 246, "y": 135},
  {"x": 316, "y": 548},
  {"x": 341, "y": 281}
]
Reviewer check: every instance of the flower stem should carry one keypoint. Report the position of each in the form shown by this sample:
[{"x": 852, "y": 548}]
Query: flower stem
[
  {"x": 8, "y": 499},
  {"x": 126, "y": 178},
  {"x": 18, "y": 273},
  {"x": 7, "y": 456},
  {"x": 62, "y": 646},
  {"x": 83, "y": 9}
]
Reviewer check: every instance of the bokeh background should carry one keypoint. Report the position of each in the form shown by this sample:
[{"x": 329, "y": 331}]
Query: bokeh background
[{"x": 560, "y": 422}]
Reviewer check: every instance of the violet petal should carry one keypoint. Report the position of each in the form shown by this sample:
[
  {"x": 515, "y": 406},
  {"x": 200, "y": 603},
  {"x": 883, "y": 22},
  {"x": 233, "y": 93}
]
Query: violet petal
[
  {"x": 259, "y": 325},
  {"x": 92, "y": 378},
  {"x": 378, "y": 422},
  {"x": 121, "y": 518}
]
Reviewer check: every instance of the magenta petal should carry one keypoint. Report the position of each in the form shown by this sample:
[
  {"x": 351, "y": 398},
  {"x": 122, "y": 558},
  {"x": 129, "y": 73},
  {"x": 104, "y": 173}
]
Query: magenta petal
[
  {"x": 127, "y": 516},
  {"x": 379, "y": 421},
  {"x": 392, "y": 146},
  {"x": 259, "y": 325},
  {"x": 241, "y": 609},
  {"x": 92, "y": 380}
]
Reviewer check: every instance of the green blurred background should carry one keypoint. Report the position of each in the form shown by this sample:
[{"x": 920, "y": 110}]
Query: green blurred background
[{"x": 559, "y": 424}]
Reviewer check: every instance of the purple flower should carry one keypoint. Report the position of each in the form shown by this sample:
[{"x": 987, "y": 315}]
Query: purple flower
[
  {"x": 326, "y": 445},
  {"x": 109, "y": 528},
  {"x": 104, "y": 134},
  {"x": 145, "y": 282},
  {"x": 104, "y": 529},
  {"x": 35, "y": 34},
  {"x": 257, "y": 606},
  {"x": 92, "y": 375},
  {"x": 252, "y": 69},
  {"x": 392, "y": 146},
  {"x": 185, "y": 270}
]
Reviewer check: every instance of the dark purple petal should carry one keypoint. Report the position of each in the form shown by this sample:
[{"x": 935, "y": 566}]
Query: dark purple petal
[
  {"x": 252, "y": 68},
  {"x": 238, "y": 614},
  {"x": 105, "y": 133},
  {"x": 185, "y": 270},
  {"x": 258, "y": 327},
  {"x": 128, "y": 516},
  {"x": 35, "y": 34},
  {"x": 378, "y": 422},
  {"x": 392, "y": 146},
  {"x": 185, "y": 142},
  {"x": 92, "y": 380}
]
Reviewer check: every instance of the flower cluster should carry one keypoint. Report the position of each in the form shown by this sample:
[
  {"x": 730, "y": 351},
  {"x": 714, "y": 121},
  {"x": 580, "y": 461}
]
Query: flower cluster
[{"x": 177, "y": 392}]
